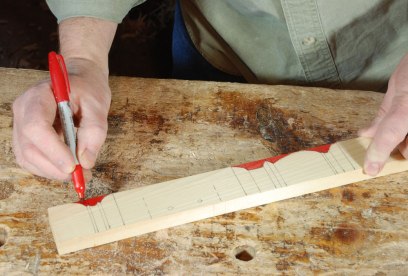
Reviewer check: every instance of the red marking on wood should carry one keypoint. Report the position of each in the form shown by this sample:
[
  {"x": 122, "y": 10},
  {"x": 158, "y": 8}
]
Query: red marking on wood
[
  {"x": 322, "y": 149},
  {"x": 259, "y": 163},
  {"x": 91, "y": 201}
]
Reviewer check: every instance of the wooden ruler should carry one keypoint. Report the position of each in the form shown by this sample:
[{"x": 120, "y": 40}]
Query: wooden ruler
[{"x": 131, "y": 213}]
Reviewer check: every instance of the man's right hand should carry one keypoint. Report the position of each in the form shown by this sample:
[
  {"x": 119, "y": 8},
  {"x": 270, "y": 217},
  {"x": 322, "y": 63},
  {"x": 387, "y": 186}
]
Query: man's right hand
[{"x": 38, "y": 146}]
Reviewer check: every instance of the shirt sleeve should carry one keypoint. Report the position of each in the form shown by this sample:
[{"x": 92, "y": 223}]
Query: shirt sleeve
[{"x": 113, "y": 10}]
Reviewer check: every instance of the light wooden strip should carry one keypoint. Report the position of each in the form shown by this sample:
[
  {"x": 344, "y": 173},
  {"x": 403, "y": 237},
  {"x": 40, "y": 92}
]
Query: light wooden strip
[{"x": 151, "y": 208}]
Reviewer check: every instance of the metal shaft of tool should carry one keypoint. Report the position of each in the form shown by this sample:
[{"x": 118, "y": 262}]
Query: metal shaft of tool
[{"x": 67, "y": 123}]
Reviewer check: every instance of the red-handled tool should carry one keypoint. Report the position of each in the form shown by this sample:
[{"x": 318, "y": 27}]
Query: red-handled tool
[{"x": 61, "y": 90}]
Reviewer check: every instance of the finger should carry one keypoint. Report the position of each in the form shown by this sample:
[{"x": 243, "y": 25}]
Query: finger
[
  {"x": 91, "y": 137},
  {"x": 38, "y": 119},
  {"x": 52, "y": 147},
  {"x": 403, "y": 148},
  {"x": 372, "y": 129},
  {"x": 34, "y": 116},
  {"x": 35, "y": 162},
  {"x": 390, "y": 133},
  {"x": 382, "y": 112},
  {"x": 40, "y": 162}
]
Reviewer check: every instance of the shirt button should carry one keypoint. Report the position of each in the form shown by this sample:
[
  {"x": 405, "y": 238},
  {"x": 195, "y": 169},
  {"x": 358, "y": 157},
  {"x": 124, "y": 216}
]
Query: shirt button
[{"x": 310, "y": 40}]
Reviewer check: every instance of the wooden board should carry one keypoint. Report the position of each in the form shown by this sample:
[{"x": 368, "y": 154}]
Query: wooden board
[
  {"x": 139, "y": 211},
  {"x": 161, "y": 130}
]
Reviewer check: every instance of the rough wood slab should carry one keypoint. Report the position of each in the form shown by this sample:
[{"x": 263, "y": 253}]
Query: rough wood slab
[{"x": 166, "y": 129}]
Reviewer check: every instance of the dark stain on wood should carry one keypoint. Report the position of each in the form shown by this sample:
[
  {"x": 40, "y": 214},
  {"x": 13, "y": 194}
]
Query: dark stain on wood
[
  {"x": 274, "y": 126},
  {"x": 116, "y": 122},
  {"x": 346, "y": 234},
  {"x": 5, "y": 109},
  {"x": 151, "y": 118},
  {"x": 347, "y": 196},
  {"x": 366, "y": 195},
  {"x": 21, "y": 215},
  {"x": 279, "y": 221},
  {"x": 282, "y": 265},
  {"x": 228, "y": 216},
  {"x": 235, "y": 110},
  {"x": 248, "y": 216},
  {"x": 155, "y": 141},
  {"x": 283, "y": 128},
  {"x": 345, "y": 238},
  {"x": 290, "y": 132},
  {"x": 106, "y": 167},
  {"x": 111, "y": 173}
]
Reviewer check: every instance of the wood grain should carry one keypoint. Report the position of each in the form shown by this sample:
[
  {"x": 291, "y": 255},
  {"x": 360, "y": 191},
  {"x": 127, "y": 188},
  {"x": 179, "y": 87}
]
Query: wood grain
[{"x": 161, "y": 130}]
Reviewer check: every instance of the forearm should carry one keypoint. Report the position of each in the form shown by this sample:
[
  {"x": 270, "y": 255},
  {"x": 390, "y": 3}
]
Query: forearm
[{"x": 88, "y": 39}]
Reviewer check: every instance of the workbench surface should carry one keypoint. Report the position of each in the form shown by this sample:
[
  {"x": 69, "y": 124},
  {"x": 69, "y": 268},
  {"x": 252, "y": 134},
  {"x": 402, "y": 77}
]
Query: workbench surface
[{"x": 166, "y": 129}]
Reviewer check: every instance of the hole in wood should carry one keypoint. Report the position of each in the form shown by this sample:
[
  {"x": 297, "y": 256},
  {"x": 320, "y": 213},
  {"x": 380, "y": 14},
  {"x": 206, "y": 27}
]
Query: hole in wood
[
  {"x": 244, "y": 253},
  {"x": 3, "y": 235}
]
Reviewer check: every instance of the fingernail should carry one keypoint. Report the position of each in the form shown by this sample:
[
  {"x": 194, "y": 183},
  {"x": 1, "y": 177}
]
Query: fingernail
[
  {"x": 65, "y": 168},
  {"x": 68, "y": 169},
  {"x": 372, "y": 169}
]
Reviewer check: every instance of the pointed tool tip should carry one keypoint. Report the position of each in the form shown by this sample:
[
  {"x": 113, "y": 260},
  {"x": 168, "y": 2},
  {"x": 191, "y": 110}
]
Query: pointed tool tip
[{"x": 81, "y": 197}]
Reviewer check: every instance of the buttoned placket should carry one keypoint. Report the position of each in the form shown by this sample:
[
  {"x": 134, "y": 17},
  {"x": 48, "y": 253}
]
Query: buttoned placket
[{"x": 309, "y": 41}]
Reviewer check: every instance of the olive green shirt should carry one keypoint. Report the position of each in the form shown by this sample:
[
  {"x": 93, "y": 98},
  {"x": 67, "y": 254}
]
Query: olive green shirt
[{"x": 352, "y": 44}]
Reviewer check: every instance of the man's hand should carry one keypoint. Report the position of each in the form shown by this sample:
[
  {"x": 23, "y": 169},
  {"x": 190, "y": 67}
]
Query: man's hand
[
  {"x": 37, "y": 145},
  {"x": 85, "y": 43},
  {"x": 389, "y": 129}
]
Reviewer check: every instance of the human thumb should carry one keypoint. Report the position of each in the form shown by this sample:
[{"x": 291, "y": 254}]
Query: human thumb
[{"x": 90, "y": 140}]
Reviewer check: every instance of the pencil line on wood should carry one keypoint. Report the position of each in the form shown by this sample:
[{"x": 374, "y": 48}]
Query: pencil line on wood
[
  {"x": 117, "y": 206},
  {"x": 92, "y": 219},
  {"x": 239, "y": 181},
  {"x": 255, "y": 180},
  {"x": 346, "y": 155},
  {"x": 272, "y": 166},
  {"x": 219, "y": 197},
  {"x": 329, "y": 163},
  {"x": 103, "y": 216},
  {"x": 337, "y": 161},
  {"x": 148, "y": 211}
]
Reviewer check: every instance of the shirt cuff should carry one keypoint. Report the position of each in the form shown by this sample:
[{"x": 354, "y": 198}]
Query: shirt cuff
[{"x": 112, "y": 10}]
